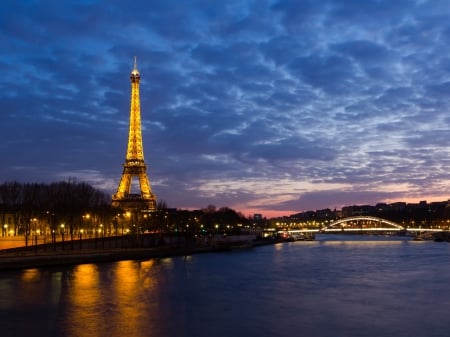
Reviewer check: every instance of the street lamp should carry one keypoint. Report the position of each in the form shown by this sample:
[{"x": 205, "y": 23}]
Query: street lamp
[
  {"x": 102, "y": 233},
  {"x": 62, "y": 235},
  {"x": 86, "y": 218},
  {"x": 34, "y": 220}
]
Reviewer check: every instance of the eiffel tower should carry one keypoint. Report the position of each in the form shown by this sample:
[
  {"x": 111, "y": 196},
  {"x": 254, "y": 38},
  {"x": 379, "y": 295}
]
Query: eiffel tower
[{"x": 134, "y": 166}]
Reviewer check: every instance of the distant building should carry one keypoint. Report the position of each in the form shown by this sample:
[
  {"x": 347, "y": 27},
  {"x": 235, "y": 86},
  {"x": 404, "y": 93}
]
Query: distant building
[
  {"x": 8, "y": 223},
  {"x": 398, "y": 206},
  {"x": 257, "y": 217},
  {"x": 357, "y": 210}
]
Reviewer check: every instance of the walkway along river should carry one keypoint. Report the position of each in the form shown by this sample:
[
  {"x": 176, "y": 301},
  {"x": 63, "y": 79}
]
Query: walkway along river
[{"x": 101, "y": 249}]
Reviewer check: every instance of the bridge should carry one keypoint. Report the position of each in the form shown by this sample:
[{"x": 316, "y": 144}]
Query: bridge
[{"x": 363, "y": 224}]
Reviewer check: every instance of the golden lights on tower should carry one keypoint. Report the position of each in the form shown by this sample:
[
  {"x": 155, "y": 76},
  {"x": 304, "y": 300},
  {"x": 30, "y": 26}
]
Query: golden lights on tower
[{"x": 134, "y": 166}]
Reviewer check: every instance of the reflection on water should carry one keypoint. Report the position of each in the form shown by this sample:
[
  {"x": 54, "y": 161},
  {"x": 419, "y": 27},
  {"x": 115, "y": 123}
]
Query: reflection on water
[
  {"x": 31, "y": 275},
  {"x": 81, "y": 302},
  {"x": 110, "y": 300},
  {"x": 330, "y": 287}
]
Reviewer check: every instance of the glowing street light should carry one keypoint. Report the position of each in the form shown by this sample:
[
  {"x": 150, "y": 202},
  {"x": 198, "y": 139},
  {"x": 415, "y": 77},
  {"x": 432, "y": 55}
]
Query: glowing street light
[{"x": 62, "y": 235}]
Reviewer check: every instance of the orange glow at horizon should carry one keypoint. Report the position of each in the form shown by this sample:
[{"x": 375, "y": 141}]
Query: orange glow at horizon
[{"x": 267, "y": 213}]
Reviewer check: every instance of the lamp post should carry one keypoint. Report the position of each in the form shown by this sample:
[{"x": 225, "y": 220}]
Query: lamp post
[
  {"x": 34, "y": 220},
  {"x": 54, "y": 239},
  {"x": 86, "y": 218},
  {"x": 62, "y": 235},
  {"x": 102, "y": 233},
  {"x": 81, "y": 236},
  {"x": 38, "y": 233}
]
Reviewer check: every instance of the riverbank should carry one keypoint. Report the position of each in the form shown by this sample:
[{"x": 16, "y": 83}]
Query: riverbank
[{"x": 29, "y": 258}]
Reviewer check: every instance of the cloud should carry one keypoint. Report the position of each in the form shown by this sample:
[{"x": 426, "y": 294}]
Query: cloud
[{"x": 259, "y": 105}]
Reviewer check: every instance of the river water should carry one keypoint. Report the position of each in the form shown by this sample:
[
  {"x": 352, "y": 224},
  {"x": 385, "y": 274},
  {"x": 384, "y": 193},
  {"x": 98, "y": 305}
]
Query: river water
[{"x": 334, "y": 286}]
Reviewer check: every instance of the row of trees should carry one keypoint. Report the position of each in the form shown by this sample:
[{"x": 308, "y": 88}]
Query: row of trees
[
  {"x": 76, "y": 208},
  {"x": 50, "y": 205},
  {"x": 209, "y": 219}
]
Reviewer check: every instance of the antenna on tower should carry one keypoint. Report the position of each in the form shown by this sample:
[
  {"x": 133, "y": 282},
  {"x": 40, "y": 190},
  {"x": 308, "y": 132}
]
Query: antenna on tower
[{"x": 135, "y": 71}]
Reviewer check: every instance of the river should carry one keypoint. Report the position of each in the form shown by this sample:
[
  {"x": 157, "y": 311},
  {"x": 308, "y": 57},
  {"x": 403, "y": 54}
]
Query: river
[{"x": 334, "y": 286}]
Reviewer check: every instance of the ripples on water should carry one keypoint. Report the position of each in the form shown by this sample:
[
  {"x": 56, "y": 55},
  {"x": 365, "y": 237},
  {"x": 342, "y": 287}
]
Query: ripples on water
[{"x": 336, "y": 286}]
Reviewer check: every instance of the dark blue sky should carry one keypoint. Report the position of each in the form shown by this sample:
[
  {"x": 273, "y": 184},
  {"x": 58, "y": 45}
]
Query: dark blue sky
[{"x": 272, "y": 107}]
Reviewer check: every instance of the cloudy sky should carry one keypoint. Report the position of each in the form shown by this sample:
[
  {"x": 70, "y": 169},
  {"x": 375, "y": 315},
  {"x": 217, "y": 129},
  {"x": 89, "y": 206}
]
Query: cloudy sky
[{"x": 271, "y": 107}]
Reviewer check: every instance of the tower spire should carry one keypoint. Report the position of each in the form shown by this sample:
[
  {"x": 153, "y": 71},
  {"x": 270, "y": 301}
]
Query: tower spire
[
  {"x": 134, "y": 166},
  {"x": 135, "y": 69}
]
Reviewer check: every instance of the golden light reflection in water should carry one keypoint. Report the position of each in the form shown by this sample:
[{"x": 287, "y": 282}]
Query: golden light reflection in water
[
  {"x": 278, "y": 247},
  {"x": 127, "y": 288},
  {"x": 127, "y": 277},
  {"x": 82, "y": 296},
  {"x": 120, "y": 299},
  {"x": 84, "y": 287},
  {"x": 30, "y": 275},
  {"x": 146, "y": 267},
  {"x": 167, "y": 262},
  {"x": 32, "y": 287},
  {"x": 366, "y": 243},
  {"x": 30, "y": 293}
]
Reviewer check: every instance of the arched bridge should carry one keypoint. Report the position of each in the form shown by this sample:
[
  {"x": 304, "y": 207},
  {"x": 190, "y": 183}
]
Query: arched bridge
[{"x": 364, "y": 224}]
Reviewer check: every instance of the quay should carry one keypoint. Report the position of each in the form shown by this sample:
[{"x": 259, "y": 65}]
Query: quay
[{"x": 110, "y": 249}]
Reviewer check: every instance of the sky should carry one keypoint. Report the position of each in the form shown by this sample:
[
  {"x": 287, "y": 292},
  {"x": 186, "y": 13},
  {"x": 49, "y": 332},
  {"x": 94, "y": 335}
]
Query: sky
[{"x": 271, "y": 107}]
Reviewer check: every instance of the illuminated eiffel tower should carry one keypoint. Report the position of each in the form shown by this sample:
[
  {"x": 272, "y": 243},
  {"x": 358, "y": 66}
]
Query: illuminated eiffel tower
[{"x": 134, "y": 166}]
